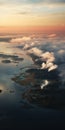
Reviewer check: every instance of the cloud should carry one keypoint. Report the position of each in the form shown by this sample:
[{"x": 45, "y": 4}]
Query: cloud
[
  {"x": 52, "y": 35},
  {"x": 49, "y": 74},
  {"x": 50, "y": 66},
  {"x": 47, "y": 58},
  {"x": 47, "y": 52},
  {"x": 23, "y": 13},
  {"x": 53, "y": 67},
  {"x": 35, "y": 51},
  {"x": 20, "y": 40},
  {"x": 44, "y": 84},
  {"x": 61, "y": 52},
  {"x": 32, "y": 1},
  {"x": 41, "y": 1}
]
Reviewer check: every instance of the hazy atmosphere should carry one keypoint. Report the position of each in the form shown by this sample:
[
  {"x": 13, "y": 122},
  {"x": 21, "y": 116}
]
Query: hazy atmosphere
[
  {"x": 34, "y": 13},
  {"x": 32, "y": 64}
]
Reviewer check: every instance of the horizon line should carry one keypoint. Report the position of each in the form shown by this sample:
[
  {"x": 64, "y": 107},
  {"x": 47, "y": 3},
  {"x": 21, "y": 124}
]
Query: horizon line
[{"x": 32, "y": 28}]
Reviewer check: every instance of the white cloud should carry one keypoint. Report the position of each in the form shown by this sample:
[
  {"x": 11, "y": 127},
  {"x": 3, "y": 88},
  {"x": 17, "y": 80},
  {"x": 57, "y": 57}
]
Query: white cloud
[
  {"x": 53, "y": 68},
  {"x": 43, "y": 66},
  {"x": 61, "y": 52},
  {"x": 19, "y": 40},
  {"x": 26, "y": 46},
  {"x": 48, "y": 57},
  {"x": 45, "y": 83},
  {"x": 52, "y": 35},
  {"x": 36, "y": 51},
  {"x": 49, "y": 66}
]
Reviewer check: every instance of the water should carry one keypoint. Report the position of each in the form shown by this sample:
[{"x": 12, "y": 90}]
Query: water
[{"x": 29, "y": 94}]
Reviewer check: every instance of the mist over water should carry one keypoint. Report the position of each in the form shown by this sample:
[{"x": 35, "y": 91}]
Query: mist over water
[{"x": 32, "y": 75}]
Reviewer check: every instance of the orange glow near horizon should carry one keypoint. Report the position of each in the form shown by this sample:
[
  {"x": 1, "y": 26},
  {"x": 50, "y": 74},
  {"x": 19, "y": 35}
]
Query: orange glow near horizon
[
  {"x": 32, "y": 16},
  {"x": 32, "y": 29}
]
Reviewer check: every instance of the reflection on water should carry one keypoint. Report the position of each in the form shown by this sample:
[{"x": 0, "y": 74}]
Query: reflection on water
[{"x": 23, "y": 84}]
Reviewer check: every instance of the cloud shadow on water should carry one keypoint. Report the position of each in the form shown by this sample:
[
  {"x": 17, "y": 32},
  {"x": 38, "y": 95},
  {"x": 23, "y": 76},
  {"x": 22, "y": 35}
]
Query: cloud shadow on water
[{"x": 10, "y": 58}]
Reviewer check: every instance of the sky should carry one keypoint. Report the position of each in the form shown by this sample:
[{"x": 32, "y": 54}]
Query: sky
[{"x": 32, "y": 13}]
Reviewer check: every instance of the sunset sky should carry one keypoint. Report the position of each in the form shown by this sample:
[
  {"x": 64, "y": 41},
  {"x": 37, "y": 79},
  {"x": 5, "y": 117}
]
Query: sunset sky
[{"x": 32, "y": 13}]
